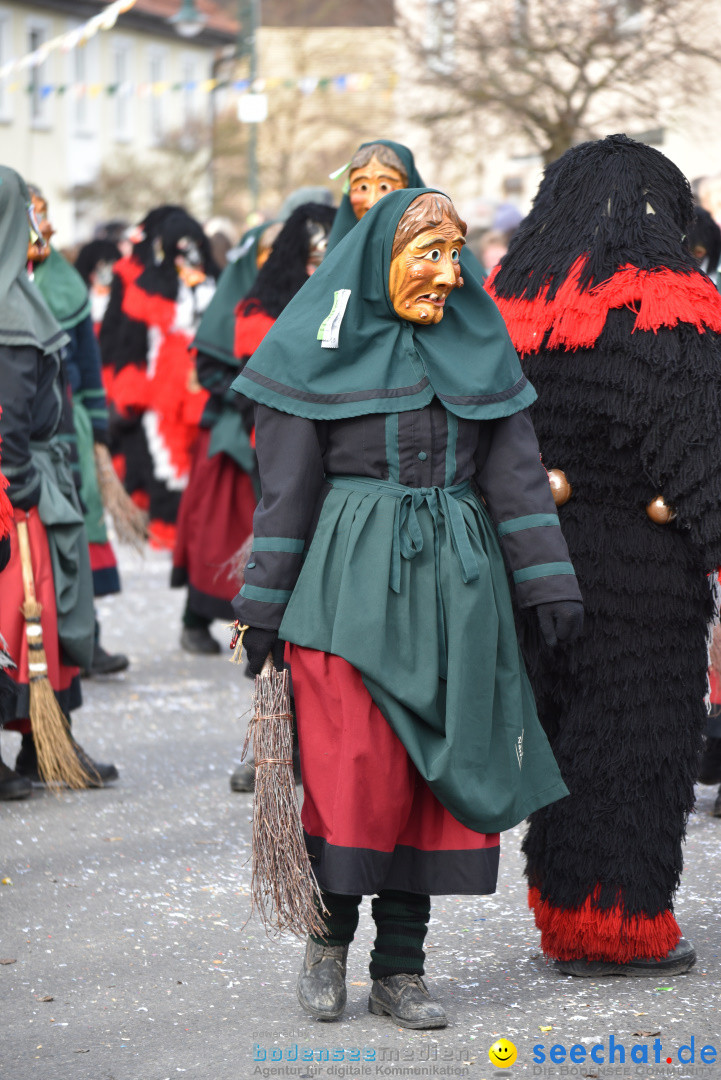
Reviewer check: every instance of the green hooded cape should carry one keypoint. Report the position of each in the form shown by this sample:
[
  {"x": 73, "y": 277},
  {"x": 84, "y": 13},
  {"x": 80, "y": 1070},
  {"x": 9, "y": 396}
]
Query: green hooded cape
[
  {"x": 24, "y": 315},
  {"x": 216, "y": 332},
  {"x": 345, "y": 219},
  {"x": 65, "y": 292},
  {"x": 340, "y": 350}
]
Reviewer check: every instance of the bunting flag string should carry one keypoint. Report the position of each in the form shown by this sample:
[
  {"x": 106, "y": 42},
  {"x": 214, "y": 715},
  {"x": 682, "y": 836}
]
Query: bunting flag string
[
  {"x": 104, "y": 20},
  {"x": 340, "y": 84}
]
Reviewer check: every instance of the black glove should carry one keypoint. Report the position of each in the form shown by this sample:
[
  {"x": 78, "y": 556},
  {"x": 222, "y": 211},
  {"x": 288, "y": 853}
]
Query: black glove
[
  {"x": 4, "y": 552},
  {"x": 560, "y": 621},
  {"x": 257, "y": 644}
]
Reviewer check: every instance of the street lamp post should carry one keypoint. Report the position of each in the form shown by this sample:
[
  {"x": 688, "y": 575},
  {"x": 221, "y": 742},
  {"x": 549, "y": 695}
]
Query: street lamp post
[
  {"x": 189, "y": 22},
  {"x": 249, "y": 20}
]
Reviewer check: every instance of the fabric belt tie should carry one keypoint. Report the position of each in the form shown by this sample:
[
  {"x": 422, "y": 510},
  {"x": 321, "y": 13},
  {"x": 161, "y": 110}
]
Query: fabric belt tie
[{"x": 408, "y": 538}]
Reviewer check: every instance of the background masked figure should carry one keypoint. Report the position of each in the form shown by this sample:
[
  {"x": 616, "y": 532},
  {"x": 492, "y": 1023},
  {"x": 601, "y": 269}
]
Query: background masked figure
[
  {"x": 124, "y": 352},
  {"x": 376, "y": 169},
  {"x": 168, "y": 298},
  {"x": 384, "y": 390},
  {"x": 618, "y": 329},
  {"x": 216, "y": 511},
  {"x": 41, "y": 491},
  {"x": 85, "y": 413}
]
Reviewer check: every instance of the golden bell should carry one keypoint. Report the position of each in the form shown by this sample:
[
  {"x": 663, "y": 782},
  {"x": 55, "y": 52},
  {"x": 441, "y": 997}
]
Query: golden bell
[
  {"x": 659, "y": 511},
  {"x": 560, "y": 487}
]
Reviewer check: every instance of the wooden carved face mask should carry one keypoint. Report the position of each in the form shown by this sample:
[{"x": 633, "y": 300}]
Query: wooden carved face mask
[
  {"x": 425, "y": 272},
  {"x": 371, "y": 182}
]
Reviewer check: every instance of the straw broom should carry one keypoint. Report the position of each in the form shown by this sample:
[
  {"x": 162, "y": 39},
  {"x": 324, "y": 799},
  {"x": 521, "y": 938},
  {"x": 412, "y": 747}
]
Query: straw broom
[
  {"x": 284, "y": 890},
  {"x": 58, "y": 763},
  {"x": 131, "y": 524}
]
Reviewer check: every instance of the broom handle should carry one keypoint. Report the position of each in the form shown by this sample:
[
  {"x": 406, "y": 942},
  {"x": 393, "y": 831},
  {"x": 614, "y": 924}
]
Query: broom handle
[
  {"x": 26, "y": 562},
  {"x": 268, "y": 667}
]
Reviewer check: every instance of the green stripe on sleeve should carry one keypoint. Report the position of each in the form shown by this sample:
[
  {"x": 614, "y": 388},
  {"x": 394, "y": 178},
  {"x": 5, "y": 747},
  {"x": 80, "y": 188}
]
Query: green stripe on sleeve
[
  {"x": 530, "y": 521},
  {"x": 546, "y": 569},
  {"x": 266, "y": 596},
  {"x": 278, "y": 543}
]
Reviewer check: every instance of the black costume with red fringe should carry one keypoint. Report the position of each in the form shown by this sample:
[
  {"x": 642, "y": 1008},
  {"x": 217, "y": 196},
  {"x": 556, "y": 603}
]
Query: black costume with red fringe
[
  {"x": 124, "y": 350},
  {"x": 619, "y": 333},
  {"x": 164, "y": 389}
]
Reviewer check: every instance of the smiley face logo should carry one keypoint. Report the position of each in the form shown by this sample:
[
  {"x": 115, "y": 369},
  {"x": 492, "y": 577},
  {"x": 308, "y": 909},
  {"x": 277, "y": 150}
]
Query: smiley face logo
[{"x": 503, "y": 1053}]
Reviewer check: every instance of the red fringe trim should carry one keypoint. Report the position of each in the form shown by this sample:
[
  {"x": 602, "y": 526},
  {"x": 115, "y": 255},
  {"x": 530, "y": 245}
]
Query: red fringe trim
[
  {"x": 128, "y": 269},
  {"x": 130, "y": 389},
  {"x": 660, "y": 298},
  {"x": 162, "y": 535},
  {"x": 589, "y": 933},
  {"x": 249, "y": 330},
  {"x": 148, "y": 308}
]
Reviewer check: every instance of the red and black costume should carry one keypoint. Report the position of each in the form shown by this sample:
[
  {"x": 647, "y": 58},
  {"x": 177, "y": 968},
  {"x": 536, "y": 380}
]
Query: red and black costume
[
  {"x": 167, "y": 299},
  {"x": 619, "y": 332}
]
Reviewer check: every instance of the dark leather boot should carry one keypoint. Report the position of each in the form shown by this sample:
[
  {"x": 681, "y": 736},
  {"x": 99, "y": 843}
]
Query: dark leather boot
[
  {"x": 406, "y": 1000},
  {"x": 678, "y": 961},
  {"x": 26, "y": 764},
  {"x": 243, "y": 779},
  {"x": 13, "y": 786},
  {"x": 199, "y": 640},
  {"x": 321, "y": 983}
]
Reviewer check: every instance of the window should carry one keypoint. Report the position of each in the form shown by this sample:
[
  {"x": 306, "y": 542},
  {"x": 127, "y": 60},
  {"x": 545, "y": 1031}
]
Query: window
[
  {"x": 6, "y": 28},
  {"x": 189, "y": 79},
  {"x": 441, "y": 33},
  {"x": 80, "y": 89},
  {"x": 40, "y": 90},
  {"x": 122, "y": 99},
  {"x": 156, "y": 78}
]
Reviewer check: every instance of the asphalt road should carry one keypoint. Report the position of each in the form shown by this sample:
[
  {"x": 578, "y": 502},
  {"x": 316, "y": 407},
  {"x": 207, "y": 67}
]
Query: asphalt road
[{"x": 126, "y": 954}]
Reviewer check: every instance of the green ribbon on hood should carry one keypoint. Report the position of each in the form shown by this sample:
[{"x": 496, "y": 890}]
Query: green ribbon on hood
[
  {"x": 25, "y": 318},
  {"x": 339, "y": 349},
  {"x": 216, "y": 332},
  {"x": 345, "y": 219},
  {"x": 65, "y": 292}
]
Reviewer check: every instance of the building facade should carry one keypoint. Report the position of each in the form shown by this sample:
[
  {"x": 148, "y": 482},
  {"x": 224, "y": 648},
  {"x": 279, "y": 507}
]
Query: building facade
[{"x": 122, "y": 93}]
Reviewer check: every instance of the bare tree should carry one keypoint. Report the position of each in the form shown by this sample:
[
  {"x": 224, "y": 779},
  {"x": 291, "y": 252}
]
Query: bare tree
[{"x": 558, "y": 71}]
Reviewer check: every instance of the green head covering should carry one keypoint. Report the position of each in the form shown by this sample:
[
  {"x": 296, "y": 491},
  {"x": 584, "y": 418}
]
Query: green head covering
[
  {"x": 24, "y": 315},
  {"x": 345, "y": 219},
  {"x": 216, "y": 332},
  {"x": 340, "y": 350},
  {"x": 65, "y": 292}
]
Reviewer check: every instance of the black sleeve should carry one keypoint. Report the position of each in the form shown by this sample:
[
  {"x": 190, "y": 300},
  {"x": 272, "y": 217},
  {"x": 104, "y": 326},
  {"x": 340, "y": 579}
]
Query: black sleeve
[
  {"x": 217, "y": 377},
  {"x": 515, "y": 487},
  {"x": 90, "y": 390},
  {"x": 18, "y": 388},
  {"x": 291, "y": 470}
]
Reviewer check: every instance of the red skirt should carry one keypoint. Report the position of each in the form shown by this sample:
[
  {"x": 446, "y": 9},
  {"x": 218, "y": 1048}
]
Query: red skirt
[
  {"x": 216, "y": 516},
  {"x": 370, "y": 820},
  {"x": 64, "y": 678}
]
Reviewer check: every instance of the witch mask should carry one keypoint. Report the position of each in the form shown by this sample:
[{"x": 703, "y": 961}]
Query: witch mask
[
  {"x": 425, "y": 260},
  {"x": 370, "y": 182}
]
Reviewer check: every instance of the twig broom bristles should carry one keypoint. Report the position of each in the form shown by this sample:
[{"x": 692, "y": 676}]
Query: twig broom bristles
[
  {"x": 283, "y": 887},
  {"x": 58, "y": 763},
  {"x": 131, "y": 524}
]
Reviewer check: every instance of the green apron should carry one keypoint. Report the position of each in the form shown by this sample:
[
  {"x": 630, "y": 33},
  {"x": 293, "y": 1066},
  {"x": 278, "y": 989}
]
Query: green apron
[
  {"x": 409, "y": 586},
  {"x": 89, "y": 488},
  {"x": 60, "y": 513}
]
